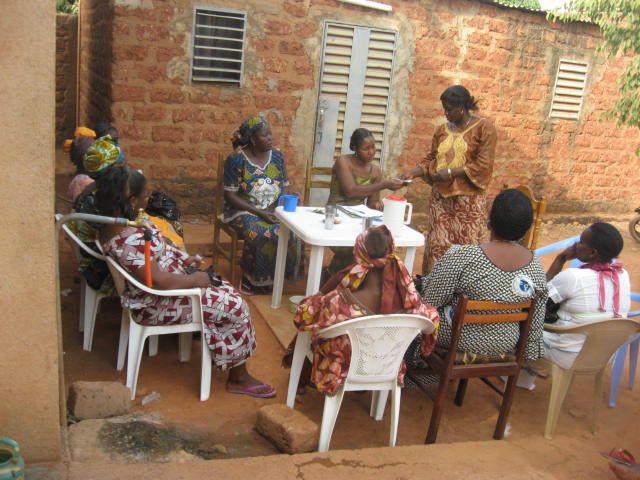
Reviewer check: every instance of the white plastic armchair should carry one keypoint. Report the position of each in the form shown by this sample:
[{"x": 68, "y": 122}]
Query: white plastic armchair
[
  {"x": 134, "y": 334},
  {"x": 378, "y": 344},
  {"x": 89, "y": 297}
]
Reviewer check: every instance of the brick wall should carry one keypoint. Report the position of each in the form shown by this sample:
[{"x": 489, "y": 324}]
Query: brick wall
[
  {"x": 176, "y": 130},
  {"x": 509, "y": 58},
  {"x": 96, "y": 60},
  {"x": 66, "y": 45}
]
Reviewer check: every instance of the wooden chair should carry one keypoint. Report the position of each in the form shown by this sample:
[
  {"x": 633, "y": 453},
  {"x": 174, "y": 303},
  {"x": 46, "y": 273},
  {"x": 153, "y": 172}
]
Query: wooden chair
[
  {"x": 311, "y": 182},
  {"x": 234, "y": 233},
  {"x": 530, "y": 240},
  {"x": 476, "y": 311}
]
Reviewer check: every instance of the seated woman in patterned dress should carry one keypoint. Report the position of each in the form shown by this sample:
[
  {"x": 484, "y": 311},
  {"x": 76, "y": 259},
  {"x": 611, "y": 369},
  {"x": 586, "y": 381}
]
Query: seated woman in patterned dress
[
  {"x": 228, "y": 330},
  {"x": 378, "y": 282},
  {"x": 254, "y": 178},
  {"x": 357, "y": 179},
  {"x": 500, "y": 270}
]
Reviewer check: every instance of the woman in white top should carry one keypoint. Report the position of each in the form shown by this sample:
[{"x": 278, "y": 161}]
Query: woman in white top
[{"x": 598, "y": 290}]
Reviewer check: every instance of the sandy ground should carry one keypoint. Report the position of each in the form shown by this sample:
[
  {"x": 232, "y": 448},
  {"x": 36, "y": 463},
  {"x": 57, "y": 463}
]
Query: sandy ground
[{"x": 228, "y": 419}]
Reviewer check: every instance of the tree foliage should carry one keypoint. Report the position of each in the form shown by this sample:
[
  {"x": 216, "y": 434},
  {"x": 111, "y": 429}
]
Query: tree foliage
[
  {"x": 619, "y": 23},
  {"x": 67, "y": 6},
  {"x": 531, "y": 4}
]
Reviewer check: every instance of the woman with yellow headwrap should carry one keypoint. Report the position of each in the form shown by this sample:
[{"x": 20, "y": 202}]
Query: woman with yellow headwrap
[
  {"x": 458, "y": 168},
  {"x": 103, "y": 154}
]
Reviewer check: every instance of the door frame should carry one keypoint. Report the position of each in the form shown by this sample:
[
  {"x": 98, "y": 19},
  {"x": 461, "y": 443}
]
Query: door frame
[{"x": 384, "y": 143}]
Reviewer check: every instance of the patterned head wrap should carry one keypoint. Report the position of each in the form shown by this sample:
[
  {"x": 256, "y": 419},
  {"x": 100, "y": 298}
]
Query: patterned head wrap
[
  {"x": 249, "y": 127},
  {"x": 79, "y": 132},
  {"x": 396, "y": 280},
  {"x": 101, "y": 155}
]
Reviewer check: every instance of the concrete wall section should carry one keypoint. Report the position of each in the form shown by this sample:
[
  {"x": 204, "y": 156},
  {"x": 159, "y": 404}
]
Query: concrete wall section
[{"x": 29, "y": 397}]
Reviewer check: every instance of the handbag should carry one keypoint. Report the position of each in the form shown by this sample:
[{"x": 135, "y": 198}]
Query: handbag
[{"x": 214, "y": 277}]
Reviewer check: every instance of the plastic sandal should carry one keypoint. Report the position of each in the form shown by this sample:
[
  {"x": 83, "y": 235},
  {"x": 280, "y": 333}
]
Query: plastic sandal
[{"x": 254, "y": 391}]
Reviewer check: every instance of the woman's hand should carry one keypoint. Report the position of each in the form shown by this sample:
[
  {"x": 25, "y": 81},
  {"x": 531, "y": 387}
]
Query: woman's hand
[
  {"x": 268, "y": 216},
  {"x": 558, "y": 262},
  {"x": 569, "y": 253},
  {"x": 200, "y": 280},
  {"x": 193, "y": 261},
  {"x": 442, "y": 176},
  {"x": 290, "y": 190},
  {"x": 394, "y": 184},
  {"x": 413, "y": 173}
]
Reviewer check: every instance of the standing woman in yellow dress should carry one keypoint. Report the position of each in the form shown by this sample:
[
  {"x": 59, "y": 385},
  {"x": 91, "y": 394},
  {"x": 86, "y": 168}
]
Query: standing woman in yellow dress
[{"x": 458, "y": 168}]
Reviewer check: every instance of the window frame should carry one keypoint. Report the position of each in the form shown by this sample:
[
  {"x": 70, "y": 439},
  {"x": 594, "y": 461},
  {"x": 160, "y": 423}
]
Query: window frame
[
  {"x": 217, "y": 81},
  {"x": 576, "y": 61},
  {"x": 342, "y": 23}
]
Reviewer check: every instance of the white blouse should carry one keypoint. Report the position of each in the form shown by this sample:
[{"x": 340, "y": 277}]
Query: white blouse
[{"x": 576, "y": 290}]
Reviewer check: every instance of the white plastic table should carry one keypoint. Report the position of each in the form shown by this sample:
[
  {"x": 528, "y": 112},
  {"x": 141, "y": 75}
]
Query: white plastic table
[{"x": 309, "y": 227}]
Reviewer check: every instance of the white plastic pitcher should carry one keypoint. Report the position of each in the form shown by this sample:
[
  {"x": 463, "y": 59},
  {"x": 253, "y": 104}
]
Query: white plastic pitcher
[{"x": 396, "y": 212}]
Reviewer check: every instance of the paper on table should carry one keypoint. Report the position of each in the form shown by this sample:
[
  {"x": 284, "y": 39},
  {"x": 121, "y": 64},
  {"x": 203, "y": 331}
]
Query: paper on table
[{"x": 361, "y": 211}]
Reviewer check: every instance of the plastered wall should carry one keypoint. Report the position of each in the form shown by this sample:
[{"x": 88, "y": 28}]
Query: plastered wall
[{"x": 29, "y": 396}]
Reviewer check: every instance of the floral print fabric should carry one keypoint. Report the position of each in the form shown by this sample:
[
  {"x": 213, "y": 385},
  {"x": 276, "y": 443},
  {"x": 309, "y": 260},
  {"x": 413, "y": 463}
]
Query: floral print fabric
[
  {"x": 228, "y": 330},
  {"x": 331, "y": 357},
  {"x": 262, "y": 187},
  {"x": 457, "y": 220}
]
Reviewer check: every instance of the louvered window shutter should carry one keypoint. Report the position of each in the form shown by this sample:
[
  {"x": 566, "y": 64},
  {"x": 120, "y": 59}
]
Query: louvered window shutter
[
  {"x": 569, "y": 89},
  {"x": 218, "y": 45},
  {"x": 355, "y": 89},
  {"x": 357, "y": 70},
  {"x": 377, "y": 86}
]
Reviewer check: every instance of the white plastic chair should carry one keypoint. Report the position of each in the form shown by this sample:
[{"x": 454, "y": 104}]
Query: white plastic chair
[
  {"x": 378, "y": 344},
  {"x": 153, "y": 339},
  {"x": 134, "y": 335},
  {"x": 604, "y": 337},
  {"x": 89, "y": 297}
]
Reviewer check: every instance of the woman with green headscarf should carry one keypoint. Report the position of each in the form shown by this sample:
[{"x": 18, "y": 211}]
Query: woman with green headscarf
[
  {"x": 101, "y": 155},
  {"x": 104, "y": 153},
  {"x": 254, "y": 178}
]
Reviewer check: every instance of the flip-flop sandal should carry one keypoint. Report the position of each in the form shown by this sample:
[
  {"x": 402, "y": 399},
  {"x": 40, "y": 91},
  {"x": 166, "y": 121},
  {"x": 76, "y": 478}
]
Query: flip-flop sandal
[
  {"x": 246, "y": 290},
  {"x": 254, "y": 391},
  {"x": 621, "y": 456}
]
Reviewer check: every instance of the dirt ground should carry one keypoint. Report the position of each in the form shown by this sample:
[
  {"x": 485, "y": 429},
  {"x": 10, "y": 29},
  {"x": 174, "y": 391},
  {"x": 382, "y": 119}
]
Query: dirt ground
[{"x": 228, "y": 419}]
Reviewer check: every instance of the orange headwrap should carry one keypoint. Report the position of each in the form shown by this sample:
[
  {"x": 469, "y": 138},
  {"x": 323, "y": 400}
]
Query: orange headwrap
[
  {"x": 84, "y": 132},
  {"x": 79, "y": 132}
]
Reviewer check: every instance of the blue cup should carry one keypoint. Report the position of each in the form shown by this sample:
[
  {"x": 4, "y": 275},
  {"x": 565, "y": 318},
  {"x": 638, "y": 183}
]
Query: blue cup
[{"x": 290, "y": 202}]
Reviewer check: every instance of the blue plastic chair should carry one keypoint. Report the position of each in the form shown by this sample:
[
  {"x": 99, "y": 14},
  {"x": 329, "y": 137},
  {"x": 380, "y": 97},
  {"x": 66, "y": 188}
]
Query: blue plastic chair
[
  {"x": 557, "y": 246},
  {"x": 621, "y": 355}
]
